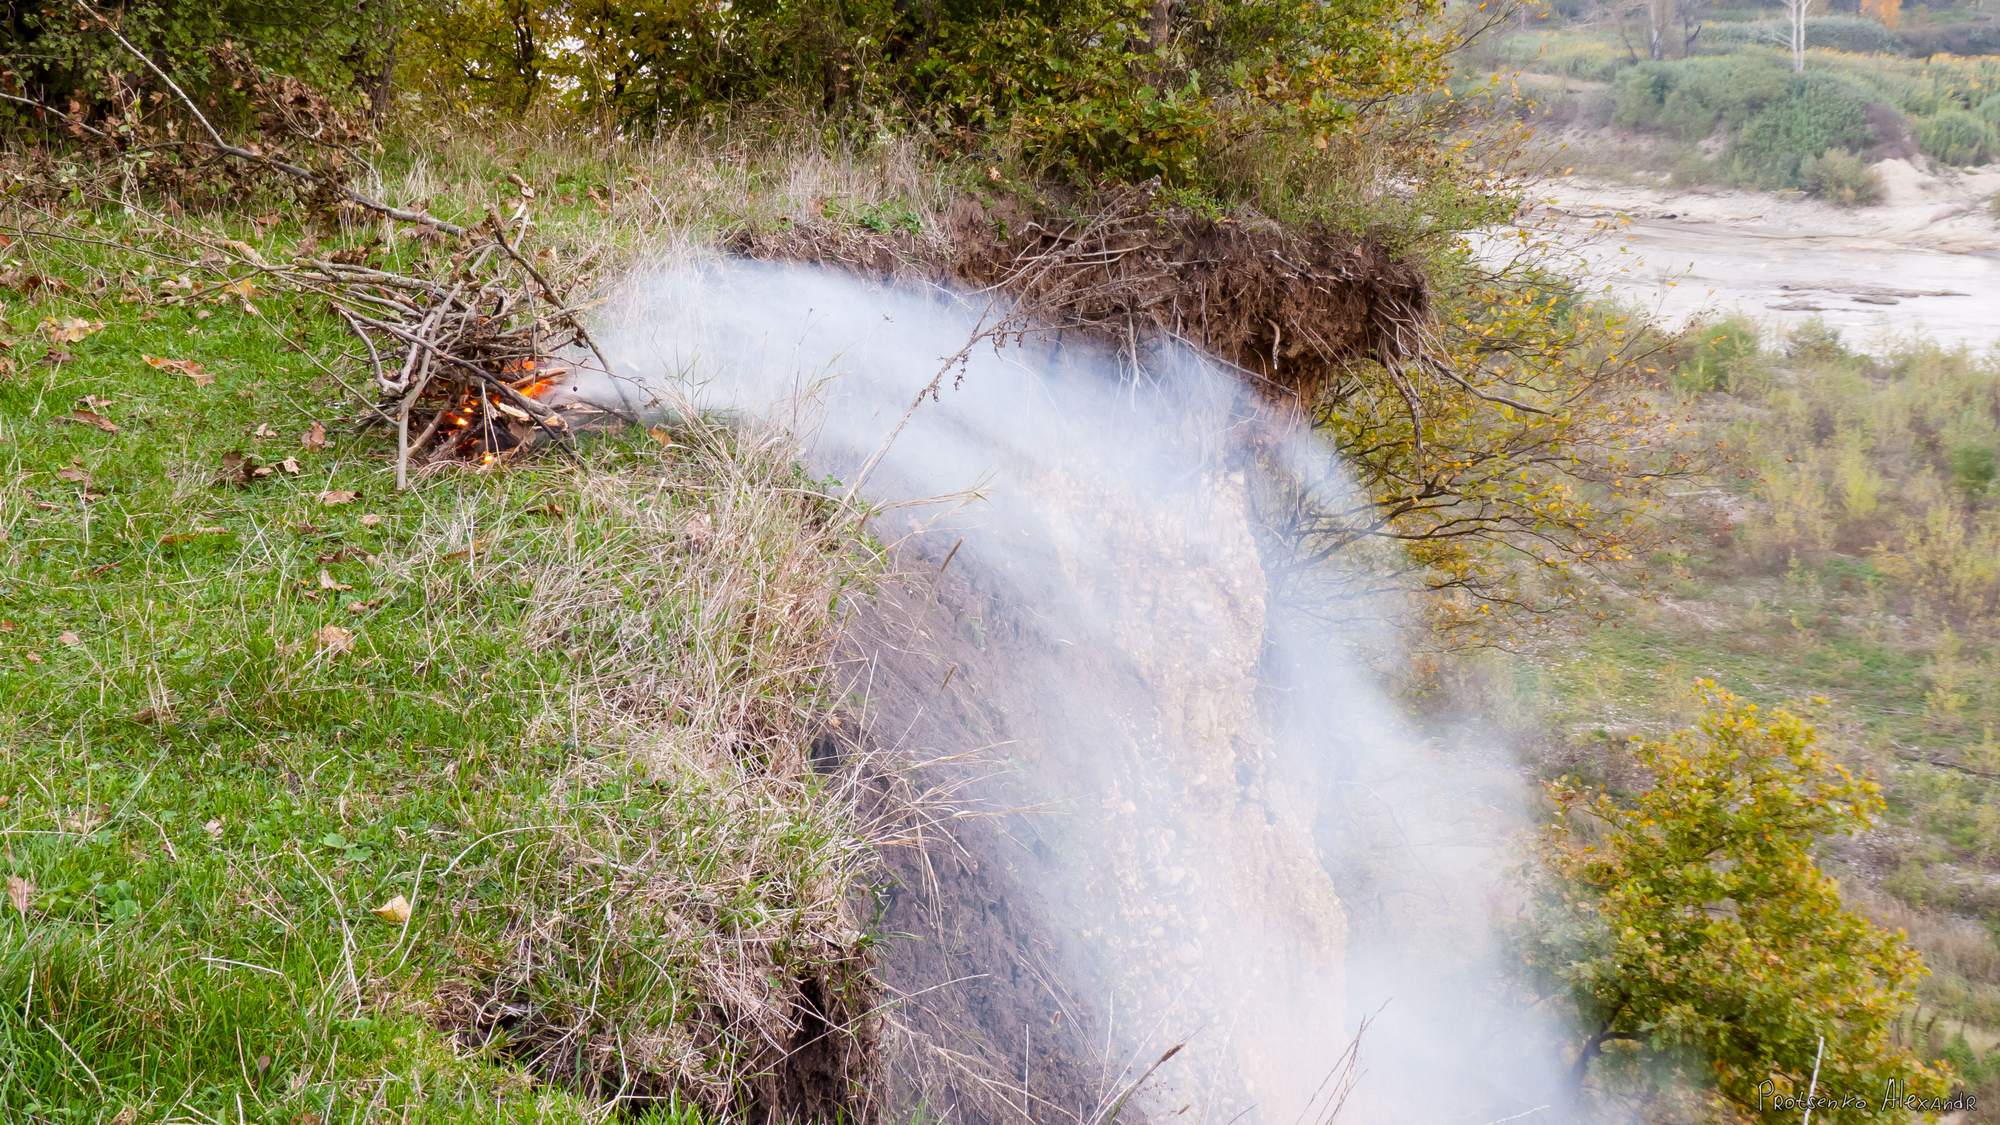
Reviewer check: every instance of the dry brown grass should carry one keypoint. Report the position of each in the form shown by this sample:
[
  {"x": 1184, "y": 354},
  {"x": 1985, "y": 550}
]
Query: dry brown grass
[
  {"x": 684, "y": 925},
  {"x": 613, "y": 202}
]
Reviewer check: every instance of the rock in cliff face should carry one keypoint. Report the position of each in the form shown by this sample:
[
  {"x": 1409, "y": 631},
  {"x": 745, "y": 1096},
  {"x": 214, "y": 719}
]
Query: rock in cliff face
[
  {"x": 1106, "y": 636},
  {"x": 1232, "y": 929}
]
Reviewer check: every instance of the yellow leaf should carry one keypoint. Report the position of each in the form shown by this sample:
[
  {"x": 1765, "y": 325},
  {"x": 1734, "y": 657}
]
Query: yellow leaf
[
  {"x": 70, "y": 329},
  {"x": 396, "y": 910}
]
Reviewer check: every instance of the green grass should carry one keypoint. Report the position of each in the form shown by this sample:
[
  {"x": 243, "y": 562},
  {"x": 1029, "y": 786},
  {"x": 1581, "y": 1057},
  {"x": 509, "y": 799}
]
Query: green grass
[{"x": 238, "y": 717}]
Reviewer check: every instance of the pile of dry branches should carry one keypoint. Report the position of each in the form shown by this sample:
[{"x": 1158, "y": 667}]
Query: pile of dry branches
[
  {"x": 461, "y": 346},
  {"x": 462, "y": 356}
]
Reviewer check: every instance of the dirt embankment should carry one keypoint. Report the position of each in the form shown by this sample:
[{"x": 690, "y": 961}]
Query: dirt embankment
[{"x": 1130, "y": 270}]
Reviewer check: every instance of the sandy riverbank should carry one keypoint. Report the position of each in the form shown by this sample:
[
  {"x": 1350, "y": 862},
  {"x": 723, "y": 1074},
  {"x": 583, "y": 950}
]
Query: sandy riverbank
[{"x": 1924, "y": 261}]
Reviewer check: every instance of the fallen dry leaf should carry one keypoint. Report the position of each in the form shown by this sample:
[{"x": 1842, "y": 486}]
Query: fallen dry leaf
[
  {"x": 263, "y": 430},
  {"x": 186, "y": 367},
  {"x": 370, "y": 520},
  {"x": 177, "y": 537},
  {"x": 334, "y": 639},
  {"x": 290, "y": 465},
  {"x": 314, "y": 437},
  {"x": 396, "y": 910},
  {"x": 74, "y": 475},
  {"x": 66, "y": 637},
  {"x": 214, "y": 829},
  {"x": 240, "y": 470},
  {"x": 70, "y": 329},
  {"x": 90, "y": 418},
  {"x": 335, "y": 497},
  {"x": 21, "y": 893},
  {"x": 326, "y": 582}
]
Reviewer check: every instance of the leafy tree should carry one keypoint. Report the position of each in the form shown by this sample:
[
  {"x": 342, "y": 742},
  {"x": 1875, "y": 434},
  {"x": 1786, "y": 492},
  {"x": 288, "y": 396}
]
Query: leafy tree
[
  {"x": 61, "y": 53},
  {"x": 1692, "y": 929},
  {"x": 1503, "y": 459},
  {"x": 1127, "y": 88},
  {"x": 1889, "y": 12}
]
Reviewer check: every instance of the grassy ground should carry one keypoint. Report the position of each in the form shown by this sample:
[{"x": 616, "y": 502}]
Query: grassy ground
[{"x": 486, "y": 801}]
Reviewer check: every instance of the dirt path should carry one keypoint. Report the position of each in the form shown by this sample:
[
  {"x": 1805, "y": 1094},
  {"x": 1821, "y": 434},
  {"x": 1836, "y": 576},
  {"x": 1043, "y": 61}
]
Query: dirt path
[{"x": 1925, "y": 261}]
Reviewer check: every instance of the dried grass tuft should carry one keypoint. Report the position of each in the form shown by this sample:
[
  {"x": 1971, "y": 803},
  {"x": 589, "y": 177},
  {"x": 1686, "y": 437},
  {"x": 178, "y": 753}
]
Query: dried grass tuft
[{"x": 684, "y": 927}]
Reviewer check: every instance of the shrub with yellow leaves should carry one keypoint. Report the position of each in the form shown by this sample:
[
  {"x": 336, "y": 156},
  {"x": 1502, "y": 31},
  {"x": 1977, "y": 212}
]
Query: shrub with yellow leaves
[{"x": 1694, "y": 933}]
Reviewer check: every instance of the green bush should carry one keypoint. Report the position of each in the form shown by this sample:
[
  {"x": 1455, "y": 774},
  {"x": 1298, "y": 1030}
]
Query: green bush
[
  {"x": 1638, "y": 95},
  {"x": 56, "y": 57},
  {"x": 1969, "y": 1064},
  {"x": 1974, "y": 465},
  {"x": 1818, "y": 113},
  {"x": 1816, "y": 341},
  {"x": 1687, "y": 115},
  {"x": 1956, "y": 136},
  {"x": 1989, "y": 109},
  {"x": 1840, "y": 177},
  {"x": 1722, "y": 353}
]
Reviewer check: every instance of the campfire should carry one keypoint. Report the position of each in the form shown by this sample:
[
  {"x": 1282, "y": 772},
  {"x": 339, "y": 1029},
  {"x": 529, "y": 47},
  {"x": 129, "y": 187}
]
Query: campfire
[
  {"x": 485, "y": 425},
  {"x": 466, "y": 353}
]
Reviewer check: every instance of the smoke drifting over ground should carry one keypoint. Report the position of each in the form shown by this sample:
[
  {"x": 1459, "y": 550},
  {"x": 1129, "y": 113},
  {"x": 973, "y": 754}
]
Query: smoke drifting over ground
[{"x": 1207, "y": 819}]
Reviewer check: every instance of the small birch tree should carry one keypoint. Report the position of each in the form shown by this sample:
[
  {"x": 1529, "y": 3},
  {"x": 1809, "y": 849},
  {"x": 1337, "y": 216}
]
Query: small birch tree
[{"x": 1796, "y": 11}]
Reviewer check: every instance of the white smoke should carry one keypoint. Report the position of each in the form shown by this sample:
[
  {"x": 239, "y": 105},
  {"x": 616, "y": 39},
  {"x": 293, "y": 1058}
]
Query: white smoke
[{"x": 1240, "y": 841}]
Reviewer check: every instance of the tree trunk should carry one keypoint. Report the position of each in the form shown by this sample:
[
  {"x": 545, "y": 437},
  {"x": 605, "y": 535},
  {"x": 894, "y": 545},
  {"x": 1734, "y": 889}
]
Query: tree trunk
[
  {"x": 1593, "y": 1047},
  {"x": 1159, "y": 24},
  {"x": 1798, "y": 12},
  {"x": 382, "y": 86}
]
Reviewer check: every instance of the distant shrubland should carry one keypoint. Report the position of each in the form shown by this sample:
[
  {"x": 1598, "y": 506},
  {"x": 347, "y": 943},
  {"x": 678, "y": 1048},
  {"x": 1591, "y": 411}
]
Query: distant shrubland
[{"x": 1736, "y": 112}]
